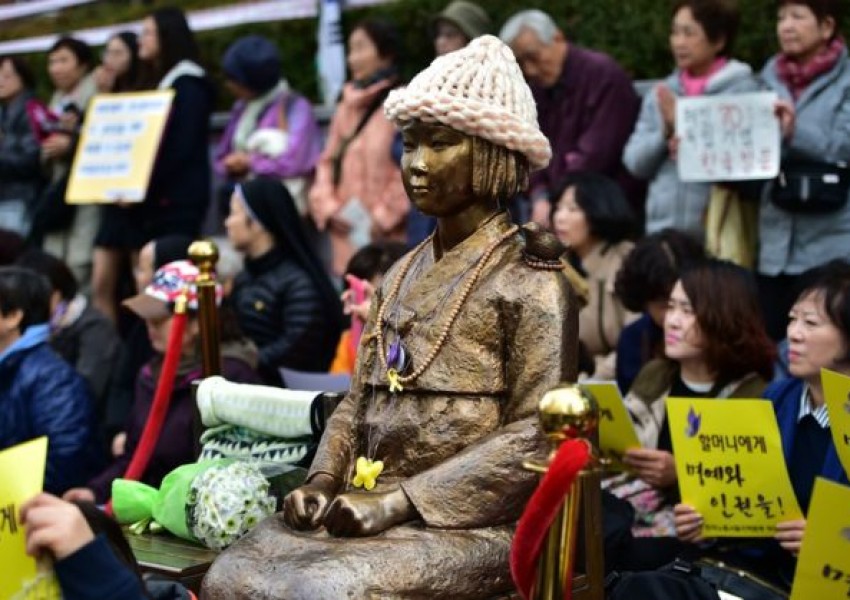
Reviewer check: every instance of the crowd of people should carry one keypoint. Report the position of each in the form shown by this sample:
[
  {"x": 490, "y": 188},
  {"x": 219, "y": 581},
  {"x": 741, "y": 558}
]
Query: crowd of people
[{"x": 313, "y": 222}]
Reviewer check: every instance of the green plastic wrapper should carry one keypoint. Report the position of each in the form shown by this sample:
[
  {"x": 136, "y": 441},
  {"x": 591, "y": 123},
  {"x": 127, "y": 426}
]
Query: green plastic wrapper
[
  {"x": 203, "y": 502},
  {"x": 133, "y": 501}
]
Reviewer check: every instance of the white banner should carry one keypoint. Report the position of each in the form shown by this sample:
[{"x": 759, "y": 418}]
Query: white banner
[
  {"x": 199, "y": 20},
  {"x": 728, "y": 138},
  {"x": 37, "y": 7},
  {"x": 331, "y": 57}
]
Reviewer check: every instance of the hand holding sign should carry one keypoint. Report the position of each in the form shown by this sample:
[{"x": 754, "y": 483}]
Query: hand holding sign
[
  {"x": 22, "y": 474},
  {"x": 787, "y": 115},
  {"x": 54, "y": 526},
  {"x": 656, "y": 467}
]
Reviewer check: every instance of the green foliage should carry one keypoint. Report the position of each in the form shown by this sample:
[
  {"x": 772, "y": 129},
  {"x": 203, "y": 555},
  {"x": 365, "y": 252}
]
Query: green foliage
[{"x": 635, "y": 32}]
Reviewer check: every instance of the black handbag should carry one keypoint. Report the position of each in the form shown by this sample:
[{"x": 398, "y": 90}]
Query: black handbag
[
  {"x": 677, "y": 581},
  {"x": 811, "y": 187},
  {"x": 738, "y": 582},
  {"x": 682, "y": 580},
  {"x": 51, "y": 213}
]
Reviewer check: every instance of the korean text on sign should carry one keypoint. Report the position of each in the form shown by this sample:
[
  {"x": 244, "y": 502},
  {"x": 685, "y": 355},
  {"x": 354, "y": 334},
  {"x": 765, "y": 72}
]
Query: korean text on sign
[
  {"x": 730, "y": 465},
  {"x": 730, "y": 137},
  {"x": 118, "y": 146}
]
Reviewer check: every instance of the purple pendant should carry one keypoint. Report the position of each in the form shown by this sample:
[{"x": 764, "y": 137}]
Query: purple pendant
[{"x": 396, "y": 356}]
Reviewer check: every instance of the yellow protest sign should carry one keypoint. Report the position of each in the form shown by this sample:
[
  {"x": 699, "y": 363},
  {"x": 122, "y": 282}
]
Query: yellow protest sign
[
  {"x": 118, "y": 145},
  {"x": 730, "y": 465},
  {"x": 21, "y": 478},
  {"x": 836, "y": 391},
  {"x": 616, "y": 429},
  {"x": 823, "y": 567}
]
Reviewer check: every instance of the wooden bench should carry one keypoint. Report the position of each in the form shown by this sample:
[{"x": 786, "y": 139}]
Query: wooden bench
[{"x": 172, "y": 557}]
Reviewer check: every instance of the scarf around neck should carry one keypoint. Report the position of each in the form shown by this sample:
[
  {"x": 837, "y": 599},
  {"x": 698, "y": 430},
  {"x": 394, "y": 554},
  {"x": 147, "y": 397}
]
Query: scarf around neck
[
  {"x": 252, "y": 112},
  {"x": 184, "y": 67},
  {"x": 694, "y": 85},
  {"x": 797, "y": 76},
  {"x": 361, "y": 98}
]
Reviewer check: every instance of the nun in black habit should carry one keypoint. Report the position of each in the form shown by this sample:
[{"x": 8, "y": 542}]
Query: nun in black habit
[{"x": 284, "y": 300}]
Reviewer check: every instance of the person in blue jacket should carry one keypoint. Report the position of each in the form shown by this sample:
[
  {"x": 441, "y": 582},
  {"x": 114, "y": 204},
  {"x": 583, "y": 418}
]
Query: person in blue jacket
[
  {"x": 818, "y": 338},
  {"x": 40, "y": 394}
]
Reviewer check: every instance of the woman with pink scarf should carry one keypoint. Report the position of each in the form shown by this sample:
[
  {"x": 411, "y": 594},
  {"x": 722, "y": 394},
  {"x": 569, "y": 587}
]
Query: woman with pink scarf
[
  {"x": 811, "y": 75},
  {"x": 358, "y": 196},
  {"x": 701, "y": 39}
]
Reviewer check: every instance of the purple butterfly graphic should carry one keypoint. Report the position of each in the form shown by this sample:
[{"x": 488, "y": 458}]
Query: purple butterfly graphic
[{"x": 694, "y": 422}]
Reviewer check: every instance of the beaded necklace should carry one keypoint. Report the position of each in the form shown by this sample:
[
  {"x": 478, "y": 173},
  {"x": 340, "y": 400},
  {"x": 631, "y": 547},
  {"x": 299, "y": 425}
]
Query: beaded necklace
[
  {"x": 390, "y": 366},
  {"x": 394, "y": 359}
]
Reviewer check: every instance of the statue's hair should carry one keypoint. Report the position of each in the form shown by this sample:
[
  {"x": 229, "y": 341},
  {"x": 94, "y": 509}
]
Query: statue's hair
[{"x": 498, "y": 174}]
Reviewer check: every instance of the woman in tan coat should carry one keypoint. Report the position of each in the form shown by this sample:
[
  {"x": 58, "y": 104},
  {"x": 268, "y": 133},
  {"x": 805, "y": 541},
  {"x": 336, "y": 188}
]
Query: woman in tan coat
[{"x": 593, "y": 219}]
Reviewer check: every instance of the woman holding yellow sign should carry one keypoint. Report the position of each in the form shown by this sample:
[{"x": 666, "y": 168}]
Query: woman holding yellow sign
[
  {"x": 715, "y": 347},
  {"x": 819, "y": 338},
  {"x": 179, "y": 190}
]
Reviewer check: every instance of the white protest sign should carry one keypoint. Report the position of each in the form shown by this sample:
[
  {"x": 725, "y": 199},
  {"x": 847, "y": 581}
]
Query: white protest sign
[{"x": 728, "y": 138}]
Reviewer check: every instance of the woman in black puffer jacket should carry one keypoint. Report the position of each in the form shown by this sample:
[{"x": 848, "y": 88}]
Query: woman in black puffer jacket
[{"x": 284, "y": 300}]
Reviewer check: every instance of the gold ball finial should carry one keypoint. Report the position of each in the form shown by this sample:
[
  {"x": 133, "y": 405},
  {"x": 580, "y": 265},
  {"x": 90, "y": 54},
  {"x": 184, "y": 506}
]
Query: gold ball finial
[
  {"x": 567, "y": 412},
  {"x": 204, "y": 255}
]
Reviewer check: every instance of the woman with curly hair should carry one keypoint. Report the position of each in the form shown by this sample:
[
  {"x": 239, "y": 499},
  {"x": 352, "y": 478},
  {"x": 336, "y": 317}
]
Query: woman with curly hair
[
  {"x": 643, "y": 285},
  {"x": 715, "y": 346}
]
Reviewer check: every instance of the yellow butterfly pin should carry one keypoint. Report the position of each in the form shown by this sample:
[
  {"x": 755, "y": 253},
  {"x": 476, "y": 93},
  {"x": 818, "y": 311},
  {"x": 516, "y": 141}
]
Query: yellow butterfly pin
[
  {"x": 395, "y": 384},
  {"x": 367, "y": 472}
]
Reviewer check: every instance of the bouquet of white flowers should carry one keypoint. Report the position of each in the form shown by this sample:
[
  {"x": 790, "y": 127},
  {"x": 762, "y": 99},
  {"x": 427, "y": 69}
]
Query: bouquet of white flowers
[
  {"x": 226, "y": 502},
  {"x": 213, "y": 502}
]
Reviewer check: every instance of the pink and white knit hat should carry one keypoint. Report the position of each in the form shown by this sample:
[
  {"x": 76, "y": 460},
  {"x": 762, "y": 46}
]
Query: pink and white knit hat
[{"x": 480, "y": 91}]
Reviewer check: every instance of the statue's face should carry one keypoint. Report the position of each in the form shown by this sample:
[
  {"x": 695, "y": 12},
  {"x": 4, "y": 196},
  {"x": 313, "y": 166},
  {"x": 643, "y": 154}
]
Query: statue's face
[{"x": 437, "y": 168}]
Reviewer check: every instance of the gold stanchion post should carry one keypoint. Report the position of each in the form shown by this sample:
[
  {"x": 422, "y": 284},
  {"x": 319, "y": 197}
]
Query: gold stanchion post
[
  {"x": 204, "y": 255},
  {"x": 570, "y": 412}
]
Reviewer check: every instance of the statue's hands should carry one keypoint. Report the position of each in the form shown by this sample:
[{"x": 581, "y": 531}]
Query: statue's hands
[
  {"x": 363, "y": 514},
  {"x": 305, "y": 507}
]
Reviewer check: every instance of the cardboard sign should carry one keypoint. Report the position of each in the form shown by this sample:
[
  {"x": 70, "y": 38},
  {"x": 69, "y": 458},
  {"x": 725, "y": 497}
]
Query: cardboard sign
[
  {"x": 118, "y": 146},
  {"x": 21, "y": 478},
  {"x": 728, "y": 138},
  {"x": 730, "y": 465},
  {"x": 823, "y": 567},
  {"x": 836, "y": 391},
  {"x": 616, "y": 429}
]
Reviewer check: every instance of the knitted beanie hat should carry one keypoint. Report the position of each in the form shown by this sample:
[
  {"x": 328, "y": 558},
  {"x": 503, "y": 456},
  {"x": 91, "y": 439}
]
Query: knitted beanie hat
[
  {"x": 480, "y": 91},
  {"x": 254, "y": 62}
]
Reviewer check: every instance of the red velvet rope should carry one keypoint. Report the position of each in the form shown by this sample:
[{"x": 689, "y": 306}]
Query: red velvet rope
[
  {"x": 541, "y": 511},
  {"x": 161, "y": 401}
]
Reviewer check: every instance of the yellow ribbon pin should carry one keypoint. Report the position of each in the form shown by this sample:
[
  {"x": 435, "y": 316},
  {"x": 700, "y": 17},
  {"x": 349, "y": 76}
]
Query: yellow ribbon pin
[
  {"x": 367, "y": 472},
  {"x": 395, "y": 384}
]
